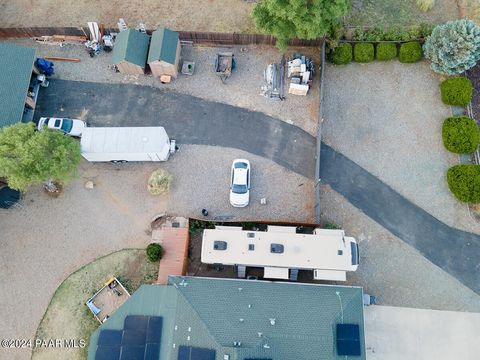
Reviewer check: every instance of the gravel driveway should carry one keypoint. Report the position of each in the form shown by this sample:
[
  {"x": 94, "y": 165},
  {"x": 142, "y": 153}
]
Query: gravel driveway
[
  {"x": 46, "y": 239},
  {"x": 387, "y": 117},
  {"x": 242, "y": 88}
]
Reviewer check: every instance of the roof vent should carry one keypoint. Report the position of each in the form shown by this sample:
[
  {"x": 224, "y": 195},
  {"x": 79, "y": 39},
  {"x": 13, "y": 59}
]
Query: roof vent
[
  {"x": 266, "y": 346},
  {"x": 250, "y": 235},
  {"x": 251, "y": 247},
  {"x": 276, "y": 248},
  {"x": 189, "y": 329},
  {"x": 340, "y": 252},
  {"x": 220, "y": 245},
  {"x": 240, "y": 289},
  {"x": 260, "y": 334},
  {"x": 272, "y": 322},
  {"x": 249, "y": 306}
]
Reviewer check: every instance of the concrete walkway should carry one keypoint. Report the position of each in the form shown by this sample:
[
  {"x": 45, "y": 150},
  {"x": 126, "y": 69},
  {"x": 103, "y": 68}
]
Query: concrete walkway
[
  {"x": 395, "y": 333},
  {"x": 188, "y": 119},
  {"x": 455, "y": 251}
]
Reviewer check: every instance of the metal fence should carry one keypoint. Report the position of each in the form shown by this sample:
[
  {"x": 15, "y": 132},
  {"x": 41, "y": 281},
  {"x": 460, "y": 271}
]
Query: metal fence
[
  {"x": 319, "y": 138},
  {"x": 194, "y": 36}
]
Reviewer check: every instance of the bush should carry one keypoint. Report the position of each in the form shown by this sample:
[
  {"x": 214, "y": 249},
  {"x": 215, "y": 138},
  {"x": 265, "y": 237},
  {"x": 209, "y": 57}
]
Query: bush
[
  {"x": 425, "y": 5},
  {"x": 460, "y": 135},
  {"x": 456, "y": 91},
  {"x": 464, "y": 182},
  {"x": 154, "y": 252},
  {"x": 394, "y": 33},
  {"x": 410, "y": 52},
  {"x": 386, "y": 51},
  {"x": 363, "y": 53},
  {"x": 342, "y": 54},
  {"x": 453, "y": 47},
  {"x": 159, "y": 182}
]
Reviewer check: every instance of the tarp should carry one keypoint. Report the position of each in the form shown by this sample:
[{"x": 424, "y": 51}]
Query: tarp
[{"x": 8, "y": 197}]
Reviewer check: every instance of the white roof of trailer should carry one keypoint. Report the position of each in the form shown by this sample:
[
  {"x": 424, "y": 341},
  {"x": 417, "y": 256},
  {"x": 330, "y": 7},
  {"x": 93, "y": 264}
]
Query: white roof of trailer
[
  {"x": 325, "y": 249},
  {"x": 124, "y": 139}
]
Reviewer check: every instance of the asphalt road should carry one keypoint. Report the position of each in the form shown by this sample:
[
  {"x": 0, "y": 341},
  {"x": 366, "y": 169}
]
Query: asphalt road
[
  {"x": 456, "y": 252},
  {"x": 187, "y": 119}
]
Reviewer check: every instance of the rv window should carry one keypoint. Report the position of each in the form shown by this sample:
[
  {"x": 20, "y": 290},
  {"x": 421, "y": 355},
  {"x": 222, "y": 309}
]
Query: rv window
[
  {"x": 276, "y": 248},
  {"x": 354, "y": 253},
  {"x": 220, "y": 245}
]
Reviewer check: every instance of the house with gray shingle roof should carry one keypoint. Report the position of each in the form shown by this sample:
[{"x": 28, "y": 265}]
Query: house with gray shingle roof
[
  {"x": 195, "y": 318},
  {"x": 130, "y": 51},
  {"x": 164, "y": 52},
  {"x": 16, "y": 64}
]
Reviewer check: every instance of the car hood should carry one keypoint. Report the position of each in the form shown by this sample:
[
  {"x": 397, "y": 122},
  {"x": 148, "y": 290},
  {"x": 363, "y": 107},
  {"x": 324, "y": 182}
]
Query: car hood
[
  {"x": 239, "y": 200},
  {"x": 77, "y": 128}
]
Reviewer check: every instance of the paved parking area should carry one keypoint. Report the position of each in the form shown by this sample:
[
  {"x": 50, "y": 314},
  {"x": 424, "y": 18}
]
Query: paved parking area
[{"x": 399, "y": 333}]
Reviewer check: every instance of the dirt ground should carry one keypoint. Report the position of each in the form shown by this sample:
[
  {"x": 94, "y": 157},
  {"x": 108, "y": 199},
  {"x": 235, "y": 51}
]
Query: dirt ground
[
  {"x": 198, "y": 15},
  {"x": 67, "y": 315}
]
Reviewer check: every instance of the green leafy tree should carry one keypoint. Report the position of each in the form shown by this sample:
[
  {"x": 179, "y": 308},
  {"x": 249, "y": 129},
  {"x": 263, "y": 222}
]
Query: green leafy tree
[
  {"x": 303, "y": 19},
  {"x": 453, "y": 47},
  {"x": 29, "y": 157}
]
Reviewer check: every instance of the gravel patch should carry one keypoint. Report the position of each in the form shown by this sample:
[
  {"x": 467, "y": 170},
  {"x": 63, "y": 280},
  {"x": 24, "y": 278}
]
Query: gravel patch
[
  {"x": 201, "y": 179},
  {"x": 243, "y": 88},
  {"x": 387, "y": 117},
  {"x": 392, "y": 270},
  {"x": 46, "y": 239}
]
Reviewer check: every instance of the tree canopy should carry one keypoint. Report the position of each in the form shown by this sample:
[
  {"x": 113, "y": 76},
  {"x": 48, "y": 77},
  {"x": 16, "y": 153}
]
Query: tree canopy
[
  {"x": 29, "y": 157},
  {"x": 303, "y": 19},
  {"x": 453, "y": 47}
]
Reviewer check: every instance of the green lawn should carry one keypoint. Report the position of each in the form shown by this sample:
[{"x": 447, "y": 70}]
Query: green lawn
[
  {"x": 67, "y": 316},
  {"x": 398, "y": 13}
]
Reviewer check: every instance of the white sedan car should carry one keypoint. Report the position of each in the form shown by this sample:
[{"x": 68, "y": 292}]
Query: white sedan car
[
  {"x": 72, "y": 127},
  {"x": 240, "y": 183}
]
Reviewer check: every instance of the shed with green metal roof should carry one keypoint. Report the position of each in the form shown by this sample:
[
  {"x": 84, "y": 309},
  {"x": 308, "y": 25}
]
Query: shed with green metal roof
[
  {"x": 130, "y": 51},
  {"x": 164, "y": 52},
  {"x": 16, "y": 64}
]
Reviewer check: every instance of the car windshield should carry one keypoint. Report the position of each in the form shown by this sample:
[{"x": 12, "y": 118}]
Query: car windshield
[
  {"x": 240, "y": 165},
  {"x": 67, "y": 125},
  {"x": 239, "y": 189}
]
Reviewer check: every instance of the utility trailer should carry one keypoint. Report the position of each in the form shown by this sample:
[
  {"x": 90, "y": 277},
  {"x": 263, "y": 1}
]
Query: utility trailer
[{"x": 123, "y": 144}]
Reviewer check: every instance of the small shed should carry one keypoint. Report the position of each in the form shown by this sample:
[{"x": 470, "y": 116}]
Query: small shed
[
  {"x": 164, "y": 53},
  {"x": 130, "y": 51}
]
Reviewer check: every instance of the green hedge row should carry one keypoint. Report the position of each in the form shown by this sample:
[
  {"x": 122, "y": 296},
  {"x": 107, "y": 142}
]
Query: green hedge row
[
  {"x": 464, "y": 182},
  {"x": 460, "y": 135},
  {"x": 456, "y": 91},
  {"x": 409, "y": 52}
]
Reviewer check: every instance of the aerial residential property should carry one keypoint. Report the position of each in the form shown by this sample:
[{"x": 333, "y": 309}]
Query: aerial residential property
[{"x": 240, "y": 180}]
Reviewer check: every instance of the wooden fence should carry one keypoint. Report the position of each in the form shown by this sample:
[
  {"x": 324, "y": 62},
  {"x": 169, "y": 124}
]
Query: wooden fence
[{"x": 195, "y": 36}]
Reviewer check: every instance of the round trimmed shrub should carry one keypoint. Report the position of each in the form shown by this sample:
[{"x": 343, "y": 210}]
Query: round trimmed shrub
[
  {"x": 363, "y": 53},
  {"x": 464, "y": 182},
  {"x": 342, "y": 54},
  {"x": 386, "y": 51},
  {"x": 159, "y": 182},
  {"x": 456, "y": 91},
  {"x": 154, "y": 252},
  {"x": 410, "y": 52},
  {"x": 460, "y": 134}
]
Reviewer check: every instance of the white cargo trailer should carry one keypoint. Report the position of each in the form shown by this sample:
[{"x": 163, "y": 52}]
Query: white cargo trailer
[{"x": 122, "y": 144}]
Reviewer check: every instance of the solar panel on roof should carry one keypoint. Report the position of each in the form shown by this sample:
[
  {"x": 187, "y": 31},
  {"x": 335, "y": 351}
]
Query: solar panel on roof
[
  {"x": 110, "y": 337},
  {"x": 195, "y": 353},
  {"x": 107, "y": 353},
  {"x": 137, "y": 322},
  {"x": 132, "y": 353},
  {"x": 154, "y": 330},
  {"x": 140, "y": 340},
  {"x": 152, "y": 351},
  {"x": 134, "y": 337},
  {"x": 348, "y": 340}
]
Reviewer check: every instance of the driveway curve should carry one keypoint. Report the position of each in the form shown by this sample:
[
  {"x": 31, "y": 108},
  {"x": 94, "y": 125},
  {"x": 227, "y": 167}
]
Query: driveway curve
[
  {"x": 455, "y": 251},
  {"x": 188, "y": 119}
]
